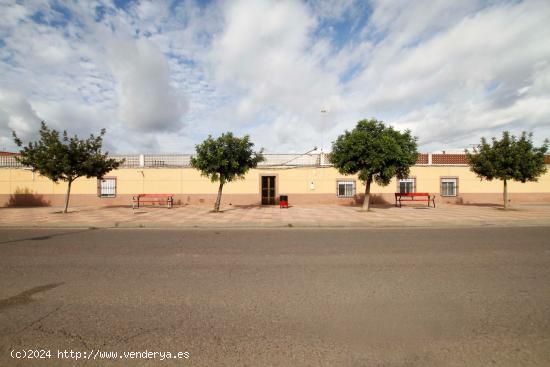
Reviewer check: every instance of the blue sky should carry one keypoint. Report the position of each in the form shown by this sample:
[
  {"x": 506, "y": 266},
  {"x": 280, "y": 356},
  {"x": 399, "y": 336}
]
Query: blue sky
[{"x": 163, "y": 75}]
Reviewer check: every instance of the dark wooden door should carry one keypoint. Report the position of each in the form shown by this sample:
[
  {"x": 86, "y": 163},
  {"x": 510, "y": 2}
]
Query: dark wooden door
[{"x": 268, "y": 190}]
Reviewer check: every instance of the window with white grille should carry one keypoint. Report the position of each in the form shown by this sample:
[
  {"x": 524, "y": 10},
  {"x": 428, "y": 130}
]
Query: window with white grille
[
  {"x": 449, "y": 186},
  {"x": 346, "y": 189},
  {"x": 107, "y": 187},
  {"x": 407, "y": 185}
]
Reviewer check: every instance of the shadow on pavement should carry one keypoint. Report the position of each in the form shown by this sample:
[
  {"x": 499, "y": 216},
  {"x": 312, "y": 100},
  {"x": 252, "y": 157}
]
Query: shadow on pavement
[
  {"x": 24, "y": 297},
  {"x": 47, "y": 237}
]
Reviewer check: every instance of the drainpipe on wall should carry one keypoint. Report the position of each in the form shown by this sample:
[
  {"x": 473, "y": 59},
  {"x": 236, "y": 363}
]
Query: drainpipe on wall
[{"x": 142, "y": 164}]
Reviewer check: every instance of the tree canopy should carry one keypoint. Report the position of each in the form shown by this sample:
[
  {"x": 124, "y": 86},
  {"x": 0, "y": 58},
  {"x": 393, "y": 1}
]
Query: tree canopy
[
  {"x": 508, "y": 159},
  {"x": 376, "y": 152},
  {"x": 225, "y": 159},
  {"x": 63, "y": 158}
]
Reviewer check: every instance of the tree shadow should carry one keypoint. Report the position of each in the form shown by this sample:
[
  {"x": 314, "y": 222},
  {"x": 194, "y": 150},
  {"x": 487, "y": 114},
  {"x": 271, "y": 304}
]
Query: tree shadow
[
  {"x": 26, "y": 198},
  {"x": 48, "y": 236},
  {"x": 376, "y": 200},
  {"x": 510, "y": 209},
  {"x": 383, "y": 206},
  {"x": 239, "y": 206},
  {"x": 25, "y": 297},
  {"x": 358, "y": 200},
  {"x": 484, "y": 205}
]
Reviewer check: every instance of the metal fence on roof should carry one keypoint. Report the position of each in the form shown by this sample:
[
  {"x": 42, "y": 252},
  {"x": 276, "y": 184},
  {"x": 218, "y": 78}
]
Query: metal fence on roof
[
  {"x": 167, "y": 160},
  {"x": 271, "y": 160},
  {"x": 9, "y": 161},
  {"x": 130, "y": 160},
  {"x": 184, "y": 160}
]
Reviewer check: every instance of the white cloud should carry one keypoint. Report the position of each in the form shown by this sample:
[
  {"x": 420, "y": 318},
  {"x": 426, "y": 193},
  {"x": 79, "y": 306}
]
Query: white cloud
[
  {"x": 17, "y": 114},
  {"x": 463, "y": 79},
  {"x": 161, "y": 75},
  {"x": 147, "y": 102},
  {"x": 266, "y": 57},
  {"x": 12, "y": 13}
]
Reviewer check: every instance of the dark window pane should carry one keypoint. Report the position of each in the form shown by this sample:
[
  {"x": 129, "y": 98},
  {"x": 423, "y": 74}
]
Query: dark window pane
[{"x": 341, "y": 190}]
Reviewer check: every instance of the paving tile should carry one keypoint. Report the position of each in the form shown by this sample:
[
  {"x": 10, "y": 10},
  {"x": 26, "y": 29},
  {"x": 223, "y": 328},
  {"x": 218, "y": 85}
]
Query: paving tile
[{"x": 319, "y": 215}]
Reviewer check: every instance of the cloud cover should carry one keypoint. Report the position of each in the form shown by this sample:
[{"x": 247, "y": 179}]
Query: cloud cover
[
  {"x": 162, "y": 75},
  {"x": 147, "y": 102}
]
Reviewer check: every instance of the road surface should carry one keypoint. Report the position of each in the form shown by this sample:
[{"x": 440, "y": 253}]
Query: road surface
[{"x": 282, "y": 297}]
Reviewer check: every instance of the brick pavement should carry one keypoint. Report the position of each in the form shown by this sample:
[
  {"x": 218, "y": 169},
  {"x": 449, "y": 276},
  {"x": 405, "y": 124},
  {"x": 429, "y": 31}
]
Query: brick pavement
[{"x": 273, "y": 216}]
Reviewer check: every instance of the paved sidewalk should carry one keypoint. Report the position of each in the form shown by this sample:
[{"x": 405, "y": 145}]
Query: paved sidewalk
[{"x": 273, "y": 216}]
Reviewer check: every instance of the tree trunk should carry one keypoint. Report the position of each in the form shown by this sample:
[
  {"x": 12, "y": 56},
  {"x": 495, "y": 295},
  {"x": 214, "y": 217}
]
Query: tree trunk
[
  {"x": 366, "y": 202},
  {"x": 67, "y": 197},
  {"x": 505, "y": 195},
  {"x": 219, "y": 198}
]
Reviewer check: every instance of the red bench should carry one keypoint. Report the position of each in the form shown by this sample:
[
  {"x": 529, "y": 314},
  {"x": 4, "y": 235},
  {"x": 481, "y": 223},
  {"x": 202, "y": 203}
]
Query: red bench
[
  {"x": 414, "y": 196},
  {"x": 167, "y": 199}
]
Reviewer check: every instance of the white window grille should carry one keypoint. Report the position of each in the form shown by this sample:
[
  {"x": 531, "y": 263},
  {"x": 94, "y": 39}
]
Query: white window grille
[
  {"x": 449, "y": 186},
  {"x": 107, "y": 187},
  {"x": 346, "y": 189}
]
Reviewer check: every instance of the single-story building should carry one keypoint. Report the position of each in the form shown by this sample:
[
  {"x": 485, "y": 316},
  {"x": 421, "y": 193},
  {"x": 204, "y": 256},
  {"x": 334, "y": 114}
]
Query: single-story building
[{"x": 306, "y": 179}]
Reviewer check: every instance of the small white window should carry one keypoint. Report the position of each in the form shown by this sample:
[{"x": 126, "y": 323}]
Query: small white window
[
  {"x": 407, "y": 185},
  {"x": 449, "y": 186},
  {"x": 107, "y": 187},
  {"x": 346, "y": 189}
]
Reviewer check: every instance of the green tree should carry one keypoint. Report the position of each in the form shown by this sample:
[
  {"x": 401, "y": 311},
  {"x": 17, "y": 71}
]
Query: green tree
[
  {"x": 508, "y": 159},
  {"x": 376, "y": 152},
  {"x": 225, "y": 159},
  {"x": 66, "y": 158}
]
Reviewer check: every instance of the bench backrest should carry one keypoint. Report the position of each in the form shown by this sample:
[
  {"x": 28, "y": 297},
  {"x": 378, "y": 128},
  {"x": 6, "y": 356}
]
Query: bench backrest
[
  {"x": 155, "y": 195},
  {"x": 412, "y": 194}
]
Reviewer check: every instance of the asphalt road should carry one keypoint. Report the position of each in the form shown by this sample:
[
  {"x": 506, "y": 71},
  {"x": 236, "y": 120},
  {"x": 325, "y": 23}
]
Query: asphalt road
[{"x": 284, "y": 297}]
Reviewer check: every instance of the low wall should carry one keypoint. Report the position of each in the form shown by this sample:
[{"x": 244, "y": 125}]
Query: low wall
[{"x": 33, "y": 200}]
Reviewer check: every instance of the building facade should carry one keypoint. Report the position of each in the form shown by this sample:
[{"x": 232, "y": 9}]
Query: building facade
[{"x": 306, "y": 179}]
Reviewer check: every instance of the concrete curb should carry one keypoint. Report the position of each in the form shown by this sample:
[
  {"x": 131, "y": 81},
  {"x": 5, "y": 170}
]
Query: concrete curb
[{"x": 272, "y": 225}]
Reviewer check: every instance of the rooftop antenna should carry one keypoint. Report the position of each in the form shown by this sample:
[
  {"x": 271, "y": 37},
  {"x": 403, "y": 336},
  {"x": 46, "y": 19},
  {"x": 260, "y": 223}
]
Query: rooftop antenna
[{"x": 299, "y": 155}]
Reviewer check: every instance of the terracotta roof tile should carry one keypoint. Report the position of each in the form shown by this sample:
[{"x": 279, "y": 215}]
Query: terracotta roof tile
[
  {"x": 449, "y": 159},
  {"x": 422, "y": 158}
]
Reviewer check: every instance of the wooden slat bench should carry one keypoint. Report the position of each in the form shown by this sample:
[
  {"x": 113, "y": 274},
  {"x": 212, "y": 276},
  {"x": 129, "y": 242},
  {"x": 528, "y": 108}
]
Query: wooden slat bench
[
  {"x": 154, "y": 199},
  {"x": 414, "y": 196}
]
